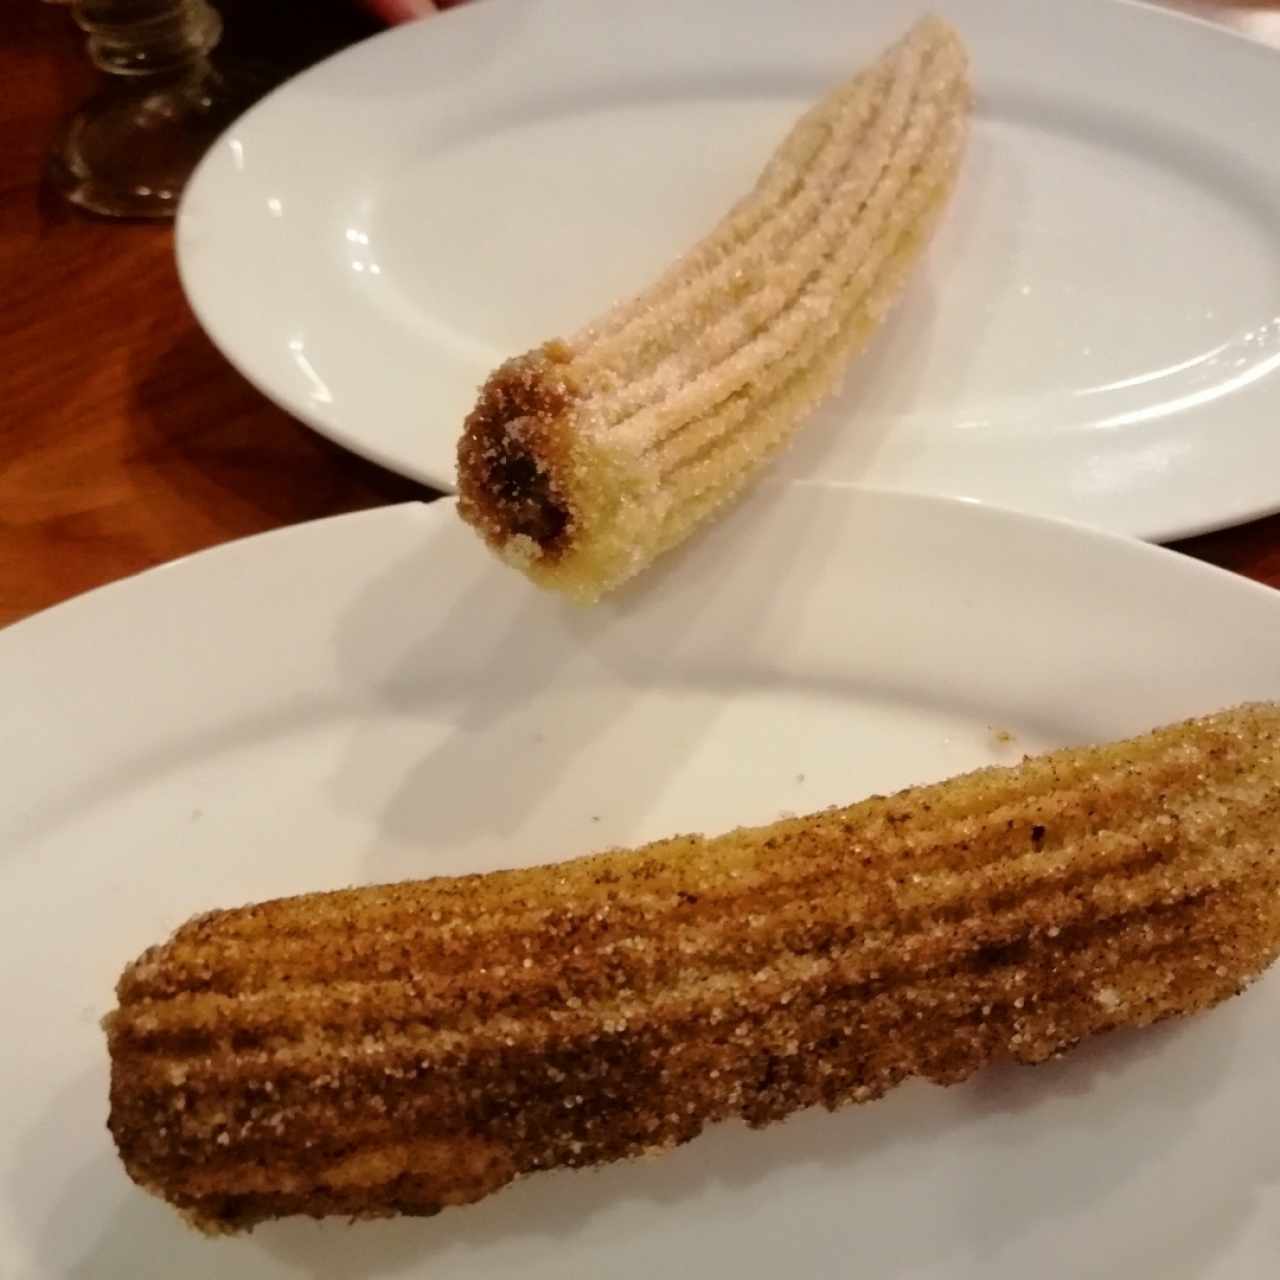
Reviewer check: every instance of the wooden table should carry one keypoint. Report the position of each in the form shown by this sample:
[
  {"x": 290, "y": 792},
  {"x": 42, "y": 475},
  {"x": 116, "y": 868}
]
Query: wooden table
[{"x": 125, "y": 438}]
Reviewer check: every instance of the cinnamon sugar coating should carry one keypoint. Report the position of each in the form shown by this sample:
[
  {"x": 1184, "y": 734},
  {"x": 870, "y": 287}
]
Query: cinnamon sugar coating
[{"x": 403, "y": 1048}]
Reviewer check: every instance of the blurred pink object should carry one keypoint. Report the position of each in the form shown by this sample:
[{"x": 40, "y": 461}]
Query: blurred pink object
[{"x": 402, "y": 10}]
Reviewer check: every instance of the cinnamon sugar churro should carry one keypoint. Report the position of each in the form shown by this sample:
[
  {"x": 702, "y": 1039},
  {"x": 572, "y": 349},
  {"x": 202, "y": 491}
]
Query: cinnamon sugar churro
[
  {"x": 588, "y": 457},
  {"x": 399, "y": 1049}
]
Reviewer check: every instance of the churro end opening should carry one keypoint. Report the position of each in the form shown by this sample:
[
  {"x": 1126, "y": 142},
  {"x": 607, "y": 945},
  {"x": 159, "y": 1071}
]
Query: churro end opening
[{"x": 514, "y": 454}]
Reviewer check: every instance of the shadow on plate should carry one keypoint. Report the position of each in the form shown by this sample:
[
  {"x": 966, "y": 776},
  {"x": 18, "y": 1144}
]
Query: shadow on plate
[{"x": 523, "y": 685}]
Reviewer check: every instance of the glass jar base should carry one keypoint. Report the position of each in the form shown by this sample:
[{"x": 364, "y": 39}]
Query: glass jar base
[{"x": 128, "y": 152}]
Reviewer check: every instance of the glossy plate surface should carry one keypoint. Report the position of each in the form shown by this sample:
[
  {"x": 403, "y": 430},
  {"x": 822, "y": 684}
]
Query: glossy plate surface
[
  {"x": 1095, "y": 333},
  {"x": 373, "y": 698}
]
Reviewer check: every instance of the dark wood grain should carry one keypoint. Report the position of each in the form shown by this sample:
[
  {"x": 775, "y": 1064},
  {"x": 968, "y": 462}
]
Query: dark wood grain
[{"x": 125, "y": 439}]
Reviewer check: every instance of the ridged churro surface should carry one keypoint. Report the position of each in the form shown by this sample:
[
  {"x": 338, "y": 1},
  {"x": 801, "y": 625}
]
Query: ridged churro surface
[
  {"x": 587, "y": 457},
  {"x": 398, "y": 1049}
]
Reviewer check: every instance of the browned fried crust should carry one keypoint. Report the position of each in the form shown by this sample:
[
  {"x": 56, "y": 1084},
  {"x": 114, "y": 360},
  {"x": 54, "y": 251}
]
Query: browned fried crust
[{"x": 398, "y": 1049}]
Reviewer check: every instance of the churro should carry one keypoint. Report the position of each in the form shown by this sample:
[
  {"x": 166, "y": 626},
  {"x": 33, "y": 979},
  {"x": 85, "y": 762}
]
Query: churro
[
  {"x": 399, "y": 1049},
  {"x": 586, "y": 458}
]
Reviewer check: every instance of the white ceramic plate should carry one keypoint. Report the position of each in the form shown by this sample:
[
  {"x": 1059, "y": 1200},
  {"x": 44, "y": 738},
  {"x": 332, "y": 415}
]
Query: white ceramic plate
[
  {"x": 1095, "y": 334},
  {"x": 373, "y": 698}
]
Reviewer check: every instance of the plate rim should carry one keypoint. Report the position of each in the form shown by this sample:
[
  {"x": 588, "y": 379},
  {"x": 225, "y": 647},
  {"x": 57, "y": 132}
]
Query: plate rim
[{"x": 430, "y": 509}]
